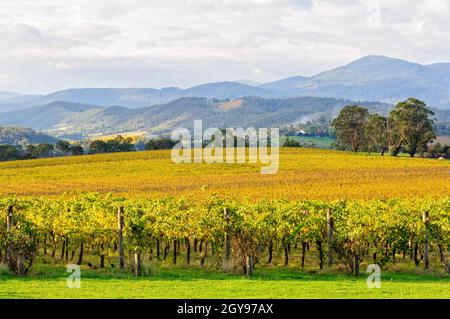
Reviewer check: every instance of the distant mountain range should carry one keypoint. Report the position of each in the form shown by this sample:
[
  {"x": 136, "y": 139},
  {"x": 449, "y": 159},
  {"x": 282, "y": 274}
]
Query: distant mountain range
[
  {"x": 78, "y": 121},
  {"x": 135, "y": 97},
  {"x": 7, "y": 95},
  {"x": 372, "y": 78},
  {"x": 81, "y": 113}
]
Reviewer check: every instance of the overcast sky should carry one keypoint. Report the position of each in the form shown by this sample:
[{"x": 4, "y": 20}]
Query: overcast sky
[{"x": 50, "y": 45}]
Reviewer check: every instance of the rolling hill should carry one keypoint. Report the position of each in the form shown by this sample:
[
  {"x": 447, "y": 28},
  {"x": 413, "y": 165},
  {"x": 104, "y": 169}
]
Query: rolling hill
[
  {"x": 19, "y": 135},
  {"x": 285, "y": 86},
  {"x": 372, "y": 78},
  {"x": 76, "y": 121},
  {"x": 134, "y": 97},
  {"x": 7, "y": 95}
]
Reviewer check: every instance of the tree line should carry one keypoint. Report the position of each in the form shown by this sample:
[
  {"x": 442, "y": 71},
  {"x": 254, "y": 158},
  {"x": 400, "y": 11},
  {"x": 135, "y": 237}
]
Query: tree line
[
  {"x": 409, "y": 127},
  {"x": 65, "y": 148}
]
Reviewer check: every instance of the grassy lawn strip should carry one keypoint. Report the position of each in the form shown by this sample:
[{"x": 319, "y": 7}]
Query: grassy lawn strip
[{"x": 189, "y": 283}]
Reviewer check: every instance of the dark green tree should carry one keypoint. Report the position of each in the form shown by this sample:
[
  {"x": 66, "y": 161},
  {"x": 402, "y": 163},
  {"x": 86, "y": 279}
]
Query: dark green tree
[
  {"x": 76, "y": 150},
  {"x": 160, "y": 143},
  {"x": 412, "y": 122},
  {"x": 9, "y": 153},
  {"x": 98, "y": 146},
  {"x": 63, "y": 146},
  {"x": 39, "y": 151},
  {"x": 44, "y": 150},
  {"x": 118, "y": 144},
  {"x": 376, "y": 130},
  {"x": 291, "y": 143},
  {"x": 350, "y": 126}
]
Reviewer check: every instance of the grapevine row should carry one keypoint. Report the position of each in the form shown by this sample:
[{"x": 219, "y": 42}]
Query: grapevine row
[{"x": 243, "y": 232}]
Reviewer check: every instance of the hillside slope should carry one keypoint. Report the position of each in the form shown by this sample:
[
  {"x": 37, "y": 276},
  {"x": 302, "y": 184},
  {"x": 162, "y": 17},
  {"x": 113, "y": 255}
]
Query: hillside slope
[
  {"x": 69, "y": 120},
  {"x": 21, "y": 136},
  {"x": 134, "y": 97},
  {"x": 375, "y": 78}
]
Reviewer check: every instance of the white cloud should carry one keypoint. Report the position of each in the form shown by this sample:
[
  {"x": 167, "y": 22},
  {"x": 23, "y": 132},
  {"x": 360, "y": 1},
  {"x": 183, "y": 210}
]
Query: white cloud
[
  {"x": 257, "y": 71},
  {"x": 51, "y": 44},
  {"x": 62, "y": 66}
]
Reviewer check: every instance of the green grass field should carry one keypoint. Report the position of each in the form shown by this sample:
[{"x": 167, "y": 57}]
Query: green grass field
[
  {"x": 162, "y": 280},
  {"x": 319, "y": 142},
  {"x": 187, "y": 283}
]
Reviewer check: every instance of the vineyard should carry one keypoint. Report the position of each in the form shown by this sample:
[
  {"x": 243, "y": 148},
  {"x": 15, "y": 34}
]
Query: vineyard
[
  {"x": 304, "y": 174},
  {"x": 232, "y": 233},
  {"x": 137, "y": 216}
]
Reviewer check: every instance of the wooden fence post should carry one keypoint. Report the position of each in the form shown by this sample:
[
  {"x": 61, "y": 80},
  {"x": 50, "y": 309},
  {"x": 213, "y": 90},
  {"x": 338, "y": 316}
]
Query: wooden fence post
[
  {"x": 137, "y": 262},
  {"x": 426, "y": 248},
  {"x": 9, "y": 248},
  {"x": 249, "y": 265},
  {"x": 20, "y": 264},
  {"x": 120, "y": 219},
  {"x": 329, "y": 237}
]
